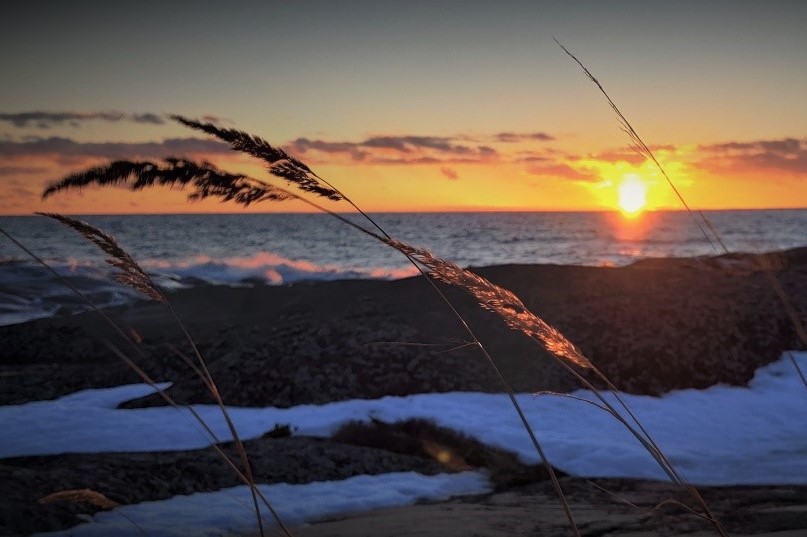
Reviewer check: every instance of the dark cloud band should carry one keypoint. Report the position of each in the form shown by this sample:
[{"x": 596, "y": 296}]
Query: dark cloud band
[
  {"x": 59, "y": 146},
  {"x": 45, "y": 120}
]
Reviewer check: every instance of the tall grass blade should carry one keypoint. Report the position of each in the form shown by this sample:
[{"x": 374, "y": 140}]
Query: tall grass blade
[
  {"x": 638, "y": 144},
  {"x": 131, "y": 337},
  {"x": 134, "y": 276},
  {"x": 206, "y": 179},
  {"x": 131, "y": 274},
  {"x": 231, "y": 184}
]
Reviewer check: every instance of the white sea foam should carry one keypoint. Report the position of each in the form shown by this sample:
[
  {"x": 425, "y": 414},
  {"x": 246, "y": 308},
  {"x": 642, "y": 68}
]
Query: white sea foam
[{"x": 29, "y": 292}]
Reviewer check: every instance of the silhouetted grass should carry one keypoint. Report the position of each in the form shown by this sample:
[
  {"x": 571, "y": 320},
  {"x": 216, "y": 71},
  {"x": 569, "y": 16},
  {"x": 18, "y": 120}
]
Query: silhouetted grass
[
  {"x": 230, "y": 187},
  {"x": 415, "y": 436}
]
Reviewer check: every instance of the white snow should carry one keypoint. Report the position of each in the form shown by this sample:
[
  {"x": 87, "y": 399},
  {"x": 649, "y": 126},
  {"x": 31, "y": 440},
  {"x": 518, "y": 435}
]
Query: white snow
[
  {"x": 230, "y": 511},
  {"x": 718, "y": 436}
]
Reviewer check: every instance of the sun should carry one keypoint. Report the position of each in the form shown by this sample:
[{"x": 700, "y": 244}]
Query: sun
[{"x": 632, "y": 195}]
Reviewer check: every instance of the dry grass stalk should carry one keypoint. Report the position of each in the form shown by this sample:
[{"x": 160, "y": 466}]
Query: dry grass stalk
[
  {"x": 134, "y": 339},
  {"x": 490, "y": 296},
  {"x": 639, "y": 145},
  {"x": 280, "y": 163},
  {"x": 228, "y": 188},
  {"x": 134, "y": 276},
  {"x": 207, "y": 180},
  {"x": 89, "y": 496},
  {"x": 498, "y": 300},
  {"x": 130, "y": 273}
]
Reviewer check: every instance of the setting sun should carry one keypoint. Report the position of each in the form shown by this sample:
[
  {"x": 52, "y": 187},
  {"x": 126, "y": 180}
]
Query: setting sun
[{"x": 632, "y": 195}]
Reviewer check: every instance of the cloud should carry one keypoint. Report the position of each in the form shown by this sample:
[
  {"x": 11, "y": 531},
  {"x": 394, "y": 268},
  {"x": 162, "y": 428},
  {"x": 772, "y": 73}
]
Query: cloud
[
  {"x": 303, "y": 145},
  {"x": 786, "y": 154},
  {"x": 450, "y": 173},
  {"x": 46, "y": 120},
  {"x": 407, "y": 149},
  {"x": 148, "y": 117},
  {"x": 533, "y": 158},
  {"x": 406, "y": 144},
  {"x": 618, "y": 155},
  {"x": 563, "y": 171},
  {"x": 510, "y": 137},
  {"x": 67, "y": 147}
]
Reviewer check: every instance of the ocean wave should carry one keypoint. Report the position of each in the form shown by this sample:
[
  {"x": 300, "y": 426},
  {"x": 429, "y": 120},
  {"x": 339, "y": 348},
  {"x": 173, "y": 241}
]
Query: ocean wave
[
  {"x": 29, "y": 291},
  {"x": 263, "y": 267}
]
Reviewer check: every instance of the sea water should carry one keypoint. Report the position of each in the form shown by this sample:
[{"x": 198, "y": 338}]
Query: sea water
[{"x": 250, "y": 249}]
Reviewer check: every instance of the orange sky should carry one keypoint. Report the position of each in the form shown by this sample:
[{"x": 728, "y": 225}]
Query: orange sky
[
  {"x": 457, "y": 106},
  {"x": 492, "y": 172}
]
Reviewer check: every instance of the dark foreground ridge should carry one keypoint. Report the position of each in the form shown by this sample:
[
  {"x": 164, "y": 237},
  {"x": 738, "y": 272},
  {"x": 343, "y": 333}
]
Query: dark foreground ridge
[
  {"x": 653, "y": 326},
  {"x": 128, "y": 478}
]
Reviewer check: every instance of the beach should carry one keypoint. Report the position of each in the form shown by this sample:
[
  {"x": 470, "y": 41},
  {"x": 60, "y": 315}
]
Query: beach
[
  {"x": 423, "y": 269},
  {"x": 654, "y": 327}
]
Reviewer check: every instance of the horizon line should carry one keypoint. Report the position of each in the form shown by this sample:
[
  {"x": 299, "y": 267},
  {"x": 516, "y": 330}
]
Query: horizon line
[{"x": 427, "y": 211}]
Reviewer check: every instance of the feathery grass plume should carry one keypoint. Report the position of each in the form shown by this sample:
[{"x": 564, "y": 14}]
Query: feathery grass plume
[
  {"x": 229, "y": 188},
  {"x": 89, "y": 496},
  {"x": 703, "y": 223},
  {"x": 135, "y": 276},
  {"x": 498, "y": 300},
  {"x": 130, "y": 273},
  {"x": 280, "y": 163},
  {"x": 206, "y": 178}
]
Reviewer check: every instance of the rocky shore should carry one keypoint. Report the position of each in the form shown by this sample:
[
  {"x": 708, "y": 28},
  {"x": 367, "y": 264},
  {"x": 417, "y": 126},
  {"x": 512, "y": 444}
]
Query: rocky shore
[{"x": 652, "y": 327}]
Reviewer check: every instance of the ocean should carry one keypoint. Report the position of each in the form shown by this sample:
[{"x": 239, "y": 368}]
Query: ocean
[{"x": 255, "y": 249}]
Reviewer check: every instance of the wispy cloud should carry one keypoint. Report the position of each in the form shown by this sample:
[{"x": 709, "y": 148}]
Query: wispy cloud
[
  {"x": 561, "y": 170},
  {"x": 45, "y": 120},
  {"x": 786, "y": 154},
  {"x": 406, "y": 144},
  {"x": 67, "y": 147},
  {"x": 304, "y": 145},
  {"x": 405, "y": 149},
  {"x": 511, "y": 137},
  {"x": 450, "y": 173}
]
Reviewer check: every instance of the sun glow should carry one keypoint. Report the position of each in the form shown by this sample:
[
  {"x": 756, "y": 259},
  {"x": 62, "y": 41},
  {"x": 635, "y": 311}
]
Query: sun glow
[{"x": 632, "y": 195}]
